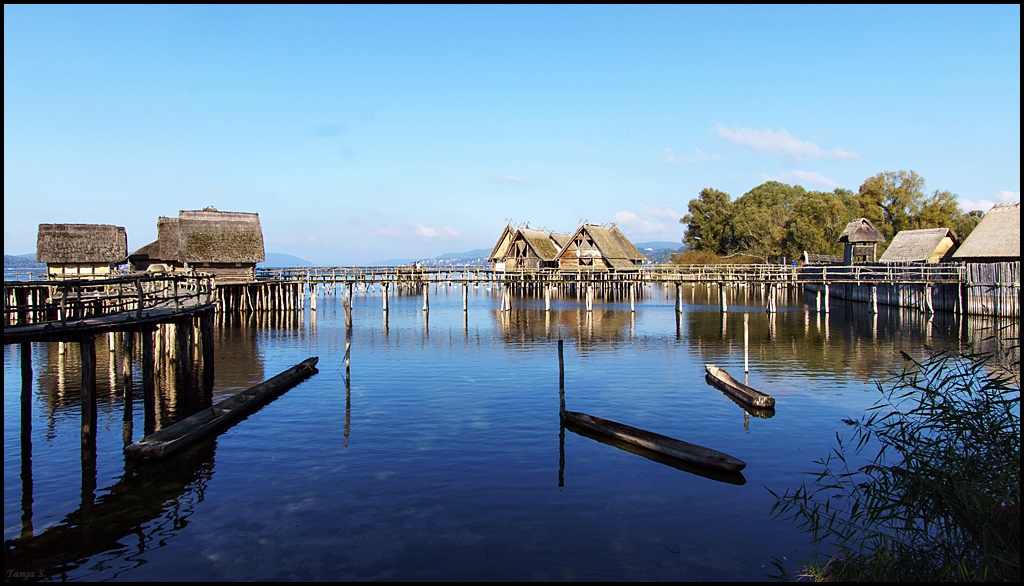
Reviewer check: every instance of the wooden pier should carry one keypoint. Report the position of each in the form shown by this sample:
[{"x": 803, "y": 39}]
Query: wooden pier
[{"x": 139, "y": 305}]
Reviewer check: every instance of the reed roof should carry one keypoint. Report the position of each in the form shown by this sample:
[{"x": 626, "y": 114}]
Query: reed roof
[
  {"x": 616, "y": 250},
  {"x": 81, "y": 243},
  {"x": 916, "y": 245},
  {"x": 212, "y": 236},
  {"x": 861, "y": 230},
  {"x": 997, "y": 235},
  {"x": 545, "y": 244}
]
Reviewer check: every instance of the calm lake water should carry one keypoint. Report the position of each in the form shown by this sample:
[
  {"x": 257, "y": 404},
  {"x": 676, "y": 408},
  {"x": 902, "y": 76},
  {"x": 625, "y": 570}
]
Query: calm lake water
[{"x": 442, "y": 457}]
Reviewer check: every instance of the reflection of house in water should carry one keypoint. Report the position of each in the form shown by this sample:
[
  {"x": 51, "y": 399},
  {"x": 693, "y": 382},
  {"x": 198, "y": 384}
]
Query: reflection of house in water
[
  {"x": 81, "y": 251},
  {"x": 599, "y": 324},
  {"x": 225, "y": 244}
]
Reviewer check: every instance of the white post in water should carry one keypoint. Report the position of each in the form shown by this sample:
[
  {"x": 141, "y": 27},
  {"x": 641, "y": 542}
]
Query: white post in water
[{"x": 746, "y": 342}]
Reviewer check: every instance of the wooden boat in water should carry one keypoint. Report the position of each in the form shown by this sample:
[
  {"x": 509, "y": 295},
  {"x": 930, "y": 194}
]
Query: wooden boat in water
[
  {"x": 212, "y": 419},
  {"x": 678, "y": 449},
  {"x": 746, "y": 395}
]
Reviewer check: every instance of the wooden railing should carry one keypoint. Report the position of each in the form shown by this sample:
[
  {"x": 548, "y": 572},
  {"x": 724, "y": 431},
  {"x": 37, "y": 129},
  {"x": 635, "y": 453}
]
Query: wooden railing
[
  {"x": 63, "y": 300},
  {"x": 752, "y": 273}
]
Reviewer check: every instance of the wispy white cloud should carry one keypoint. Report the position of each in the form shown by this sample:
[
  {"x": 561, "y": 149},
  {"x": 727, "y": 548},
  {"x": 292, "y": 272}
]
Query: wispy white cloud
[
  {"x": 583, "y": 148},
  {"x": 782, "y": 142},
  {"x": 415, "y": 230},
  {"x": 697, "y": 156},
  {"x": 803, "y": 179},
  {"x": 650, "y": 223},
  {"x": 986, "y": 204},
  {"x": 492, "y": 176}
]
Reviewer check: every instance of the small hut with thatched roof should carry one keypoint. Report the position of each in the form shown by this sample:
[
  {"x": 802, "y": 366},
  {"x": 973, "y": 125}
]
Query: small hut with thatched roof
[
  {"x": 860, "y": 238},
  {"x": 533, "y": 249},
  {"x": 225, "y": 244},
  {"x": 929, "y": 245},
  {"x": 81, "y": 251},
  {"x": 996, "y": 238},
  {"x": 497, "y": 256},
  {"x": 593, "y": 246}
]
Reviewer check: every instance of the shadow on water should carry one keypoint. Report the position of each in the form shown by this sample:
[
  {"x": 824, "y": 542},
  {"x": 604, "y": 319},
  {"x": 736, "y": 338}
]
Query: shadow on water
[
  {"x": 736, "y": 478},
  {"x": 150, "y": 500}
]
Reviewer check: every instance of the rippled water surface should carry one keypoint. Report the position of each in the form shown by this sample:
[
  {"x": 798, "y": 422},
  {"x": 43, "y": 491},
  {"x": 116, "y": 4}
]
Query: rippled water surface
[{"x": 441, "y": 455}]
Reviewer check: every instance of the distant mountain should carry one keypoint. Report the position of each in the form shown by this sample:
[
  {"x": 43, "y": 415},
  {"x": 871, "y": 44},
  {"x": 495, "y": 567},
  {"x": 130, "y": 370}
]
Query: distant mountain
[
  {"x": 275, "y": 260},
  {"x": 22, "y": 261}
]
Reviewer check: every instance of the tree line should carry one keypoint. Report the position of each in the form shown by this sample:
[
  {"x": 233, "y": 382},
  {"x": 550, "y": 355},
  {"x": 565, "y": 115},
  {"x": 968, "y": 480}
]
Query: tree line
[{"x": 776, "y": 221}]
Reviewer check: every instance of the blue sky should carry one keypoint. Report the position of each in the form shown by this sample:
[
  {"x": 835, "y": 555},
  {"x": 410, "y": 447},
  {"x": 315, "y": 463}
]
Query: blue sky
[{"x": 366, "y": 133}]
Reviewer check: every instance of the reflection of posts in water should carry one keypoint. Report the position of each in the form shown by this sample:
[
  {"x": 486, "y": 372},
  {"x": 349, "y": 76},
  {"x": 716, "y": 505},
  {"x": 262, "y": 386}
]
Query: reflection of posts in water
[
  {"x": 127, "y": 390},
  {"x": 151, "y": 500},
  {"x": 746, "y": 342}
]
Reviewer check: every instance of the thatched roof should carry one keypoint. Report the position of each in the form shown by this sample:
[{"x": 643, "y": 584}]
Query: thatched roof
[
  {"x": 501, "y": 247},
  {"x": 544, "y": 244},
  {"x": 616, "y": 250},
  {"x": 81, "y": 244},
  {"x": 996, "y": 237},
  {"x": 211, "y": 236},
  {"x": 861, "y": 230},
  {"x": 919, "y": 245}
]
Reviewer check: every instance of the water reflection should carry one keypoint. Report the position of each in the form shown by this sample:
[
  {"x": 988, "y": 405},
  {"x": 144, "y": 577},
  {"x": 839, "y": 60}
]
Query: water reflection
[{"x": 149, "y": 502}]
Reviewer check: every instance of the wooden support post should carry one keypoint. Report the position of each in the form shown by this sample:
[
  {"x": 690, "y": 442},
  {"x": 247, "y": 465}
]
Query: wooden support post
[
  {"x": 87, "y": 349},
  {"x": 874, "y": 299},
  {"x": 928, "y": 303},
  {"x": 632, "y": 297},
  {"x": 426, "y": 297},
  {"x": 722, "y": 297},
  {"x": 126, "y": 373},
  {"x": 26, "y": 391},
  {"x": 206, "y": 339},
  {"x": 746, "y": 342},
  {"x": 183, "y": 335},
  {"x": 148, "y": 382},
  {"x": 561, "y": 378},
  {"x": 465, "y": 297},
  {"x": 824, "y": 298},
  {"x": 547, "y": 297},
  {"x": 679, "y": 298}
]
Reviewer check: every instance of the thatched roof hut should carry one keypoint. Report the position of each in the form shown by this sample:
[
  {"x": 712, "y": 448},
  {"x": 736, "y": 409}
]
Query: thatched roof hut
[
  {"x": 860, "y": 237},
  {"x": 601, "y": 247},
  {"x": 81, "y": 250},
  {"x": 929, "y": 245},
  {"x": 533, "y": 249},
  {"x": 996, "y": 238},
  {"x": 497, "y": 256},
  {"x": 226, "y": 244}
]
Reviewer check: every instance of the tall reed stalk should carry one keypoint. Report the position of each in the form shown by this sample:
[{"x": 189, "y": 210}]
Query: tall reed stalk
[{"x": 940, "y": 498}]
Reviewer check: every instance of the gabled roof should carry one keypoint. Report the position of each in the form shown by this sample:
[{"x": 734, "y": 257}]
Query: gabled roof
[
  {"x": 996, "y": 236},
  {"x": 81, "y": 243},
  {"x": 917, "y": 245},
  {"x": 861, "y": 230},
  {"x": 616, "y": 250},
  {"x": 501, "y": 247},
  {"x": 544, "y": 244}
]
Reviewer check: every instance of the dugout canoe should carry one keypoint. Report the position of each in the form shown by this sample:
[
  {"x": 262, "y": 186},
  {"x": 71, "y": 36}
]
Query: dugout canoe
[
  {"x": 213, "y": 419},
  {"x": 744, "y": 394},
  {"x": 668, "y": 446}
]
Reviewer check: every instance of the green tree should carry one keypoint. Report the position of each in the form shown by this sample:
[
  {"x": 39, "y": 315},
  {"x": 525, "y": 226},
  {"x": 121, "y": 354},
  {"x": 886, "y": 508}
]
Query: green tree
[
  {"x": 762, "y": 218},
  {"x": 892, "y": 201},
  {"x": 817, "y": 222},
  {"x": 708, "y": 223}
]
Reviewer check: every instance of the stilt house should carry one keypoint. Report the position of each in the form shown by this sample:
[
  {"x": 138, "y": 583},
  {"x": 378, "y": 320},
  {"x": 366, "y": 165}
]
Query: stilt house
[
  {"x": 81, "y": 251},
  {"x": 596, "y": 247},
  {"x": 860, "y": 238},
  {"x": 929, "y": 245},
  {"x": 996, "y": 238},
  {"x": 225, "y": 244}
]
